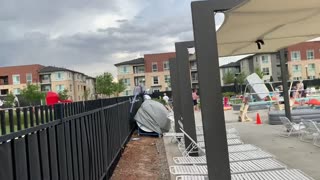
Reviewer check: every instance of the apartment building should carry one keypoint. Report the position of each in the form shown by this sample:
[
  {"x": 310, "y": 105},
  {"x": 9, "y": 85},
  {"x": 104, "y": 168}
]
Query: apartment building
[
  {"x": 269, "y": 64},
  {"x": 158, "y": 71},
  {"x": 58, "y": 79},
  {"x": 233, "y": 67},
  {"x": 132, "y": 73},
  {"x": 304, "y": 60},
  {"x": 193, "y": 71},
  {"x": 15, "y": 78},
  {"x": 152, "y": 72}
]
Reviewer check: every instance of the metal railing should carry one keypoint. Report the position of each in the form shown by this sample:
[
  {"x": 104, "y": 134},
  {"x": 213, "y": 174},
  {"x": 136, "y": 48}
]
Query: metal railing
[{"x": 80, "y": 141}]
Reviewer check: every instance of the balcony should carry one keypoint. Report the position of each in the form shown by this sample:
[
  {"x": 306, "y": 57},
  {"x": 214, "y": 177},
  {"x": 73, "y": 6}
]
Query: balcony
[
  {"x": 45, "y": 79},
  {"x": 4, "y": 80},
  {"x": 193, "y": 68},
  {"x": 194, "y": 81}
]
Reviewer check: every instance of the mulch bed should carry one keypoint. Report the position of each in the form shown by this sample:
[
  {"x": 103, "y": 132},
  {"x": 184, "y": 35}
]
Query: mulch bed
[{"x": 143, "y": 158}]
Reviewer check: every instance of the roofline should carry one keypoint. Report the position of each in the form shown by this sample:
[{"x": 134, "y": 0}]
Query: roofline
[{"x": 160, "y": 53}]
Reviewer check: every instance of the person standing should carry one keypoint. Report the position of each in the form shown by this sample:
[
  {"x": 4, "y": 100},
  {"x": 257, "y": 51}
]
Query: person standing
[
  {"x": 165, "y": 98},
  {"x": 195, "y": 98}
]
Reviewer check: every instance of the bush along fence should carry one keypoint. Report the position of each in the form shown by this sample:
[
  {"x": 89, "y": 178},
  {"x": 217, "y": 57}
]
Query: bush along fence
[{"x": 80, "y": 141}]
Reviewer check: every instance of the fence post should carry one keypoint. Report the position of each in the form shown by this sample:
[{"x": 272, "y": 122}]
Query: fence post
[{"x": 61, "y": 146}]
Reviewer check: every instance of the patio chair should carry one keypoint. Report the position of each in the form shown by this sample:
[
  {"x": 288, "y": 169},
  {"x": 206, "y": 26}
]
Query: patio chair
[
  {"x": 235, "y": 167},
  {"x": 233, "y": 157},
  {"x": 286, "y": 174},
  {"x": 290, "y": 127},
  {"x": 194, "y": 147},
  {"x": 311, "y": 131}
]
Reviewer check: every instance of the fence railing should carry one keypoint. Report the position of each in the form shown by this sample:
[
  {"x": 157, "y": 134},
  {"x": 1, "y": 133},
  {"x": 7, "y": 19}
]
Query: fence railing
[{"x": 80, "y": 141}]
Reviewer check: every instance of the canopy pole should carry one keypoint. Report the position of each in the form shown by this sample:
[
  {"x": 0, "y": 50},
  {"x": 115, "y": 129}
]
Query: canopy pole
[
  {"x": 174, "y": 78},
  {"x": 284, "y": 77},
  {"x": 210, "y": 90},
  {"x": 184, "y": 83}
]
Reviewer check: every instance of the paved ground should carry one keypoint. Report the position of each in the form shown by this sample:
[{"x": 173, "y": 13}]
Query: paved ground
[{"x": 290, "y": 151}]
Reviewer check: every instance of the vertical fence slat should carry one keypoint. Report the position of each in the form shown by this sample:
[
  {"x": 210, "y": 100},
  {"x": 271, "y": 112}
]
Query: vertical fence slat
[
  {"x": 61, "y": 144},
  {"x": 53, "y": 156},
  {"x": 6, "y": 162},
  {"x": 25, "y": 118},
  {"x": 44, "y": 154},
  {"x": 18, "y": 114},
  {"x": 31, "y": 116},
  {"x": 3, "y": 122},
  {"x": 33, "y": 157},
  {"x": 20, "y": 155},
  {"x": 11, "y": 120},
  {"x": 36, "y": 113},
  {"x": 74, "y": 149}
]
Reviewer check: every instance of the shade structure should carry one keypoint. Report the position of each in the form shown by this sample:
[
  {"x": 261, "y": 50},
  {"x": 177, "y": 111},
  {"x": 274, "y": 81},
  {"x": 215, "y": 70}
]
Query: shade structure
[{"x": 278, "y": 23}]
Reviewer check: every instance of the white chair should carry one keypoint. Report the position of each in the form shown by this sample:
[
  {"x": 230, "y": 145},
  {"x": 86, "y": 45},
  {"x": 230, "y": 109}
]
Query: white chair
[
  {"x": 290, "y": 127},
  {"x": 235, "y": 167},
  {"x": 286, "y": 174},
  {"x": 233, "y": 157},
  {"x": 311, "y": 132}
]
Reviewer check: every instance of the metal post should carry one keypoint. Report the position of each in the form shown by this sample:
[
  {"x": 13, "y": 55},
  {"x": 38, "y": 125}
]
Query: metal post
[
  {"x": 284, "y": 77},
  {"x": 210, "y": 89},
  {"x": 174, "y": 77},
  {"x": 182, "y": 60}
]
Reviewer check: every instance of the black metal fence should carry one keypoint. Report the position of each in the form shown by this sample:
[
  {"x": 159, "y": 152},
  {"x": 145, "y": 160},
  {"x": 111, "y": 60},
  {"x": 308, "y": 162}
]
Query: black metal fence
[{"x": 80, "y": 141}]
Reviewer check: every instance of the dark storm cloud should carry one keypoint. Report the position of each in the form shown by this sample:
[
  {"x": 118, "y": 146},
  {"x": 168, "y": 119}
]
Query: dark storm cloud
[{"x": 26, "y": 42}]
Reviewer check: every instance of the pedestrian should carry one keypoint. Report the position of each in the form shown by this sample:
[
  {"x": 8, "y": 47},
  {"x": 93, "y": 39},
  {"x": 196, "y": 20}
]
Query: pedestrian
[
  {"x": 195, "y": 98},
  {"x": 165, "y": 98}
]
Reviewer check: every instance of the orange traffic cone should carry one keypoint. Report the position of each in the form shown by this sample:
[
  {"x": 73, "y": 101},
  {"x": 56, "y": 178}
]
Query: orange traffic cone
[{"x": 258, "y": 120}]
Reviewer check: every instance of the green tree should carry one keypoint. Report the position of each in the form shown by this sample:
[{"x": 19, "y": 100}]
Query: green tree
[
  {"x": 104, "y": 84},
  {"x": 241, "y": 79},
  {"x": 32, "y": 94},
  {"x": 9, "y": 100},
  {"x": 119, "y": 87},
  {"x": 228, "y": 78},
  {"x": 63, "y": 95},
  {"x": 259, "y": 72}
]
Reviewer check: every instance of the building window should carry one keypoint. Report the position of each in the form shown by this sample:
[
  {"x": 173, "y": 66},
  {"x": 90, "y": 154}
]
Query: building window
[
  {"x": 297, "y": 78},
  {"x": 166, "y": 65},
  {"x": 29, "y": 78},
  {"x": 138, "y": 69},
  {"x": 70, "y": 88},
  {"x": 126, "y": 81},
  {"x": 311, "y": 67},
  {"x": 194, "y": 76},
  {"x": 127, "y": 92},
  {"x": 296, "y": 68},
  {"x": 311, "y": 77},
  {"x": 264, "y": 59},
  {"x": 295, "y": 56},
  {"x": 59, "y": 76},
  {"x": 16, "y": 91},
  {"x": 154, "y": 67},
  {"x": 265, "y": 71},
  {"x": 155, "y": 80},
  {"x": 16, "y": 79},
  {"x": 60, "y": 88},
  {"x": 78, "y": 87},
  {"x": 310, "y": 54},
  {"x": 256, "y": 59},
  {"x": 167, "y": 78}
]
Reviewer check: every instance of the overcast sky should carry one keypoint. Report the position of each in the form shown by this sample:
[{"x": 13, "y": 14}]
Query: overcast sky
[{"x": 90, "y": 35}]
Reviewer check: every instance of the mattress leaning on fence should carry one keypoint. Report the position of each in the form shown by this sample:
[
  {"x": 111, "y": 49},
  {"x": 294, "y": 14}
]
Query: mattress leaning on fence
[
  {"x": 233, "y": 157},
  {"x": 235, "y": 167},
  {"x": 286, "y": 174}
]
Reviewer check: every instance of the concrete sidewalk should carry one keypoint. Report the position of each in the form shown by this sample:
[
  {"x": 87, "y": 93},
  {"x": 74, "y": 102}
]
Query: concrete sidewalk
[{"x": 290, "y": 151}]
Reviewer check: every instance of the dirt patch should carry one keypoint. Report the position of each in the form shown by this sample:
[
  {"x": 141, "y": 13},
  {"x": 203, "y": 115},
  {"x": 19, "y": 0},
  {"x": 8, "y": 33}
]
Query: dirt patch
[{"x": 143, "y": 158}]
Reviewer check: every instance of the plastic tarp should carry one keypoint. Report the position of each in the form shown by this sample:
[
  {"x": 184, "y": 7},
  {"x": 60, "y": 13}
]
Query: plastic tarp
[
  {"x": 153, "y": 116},
  {"x": 257, "y": 87}
]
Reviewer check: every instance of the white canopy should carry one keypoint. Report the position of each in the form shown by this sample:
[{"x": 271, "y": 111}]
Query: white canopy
[{"x": 279, "y": 23}]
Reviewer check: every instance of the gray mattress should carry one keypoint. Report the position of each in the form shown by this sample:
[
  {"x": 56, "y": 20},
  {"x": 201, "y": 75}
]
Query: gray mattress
[{"x": 297, "y": 114}]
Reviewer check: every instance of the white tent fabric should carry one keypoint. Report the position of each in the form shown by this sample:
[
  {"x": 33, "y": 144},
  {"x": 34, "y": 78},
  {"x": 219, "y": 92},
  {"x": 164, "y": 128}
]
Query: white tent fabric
[{"x": 279, "y": 23}]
